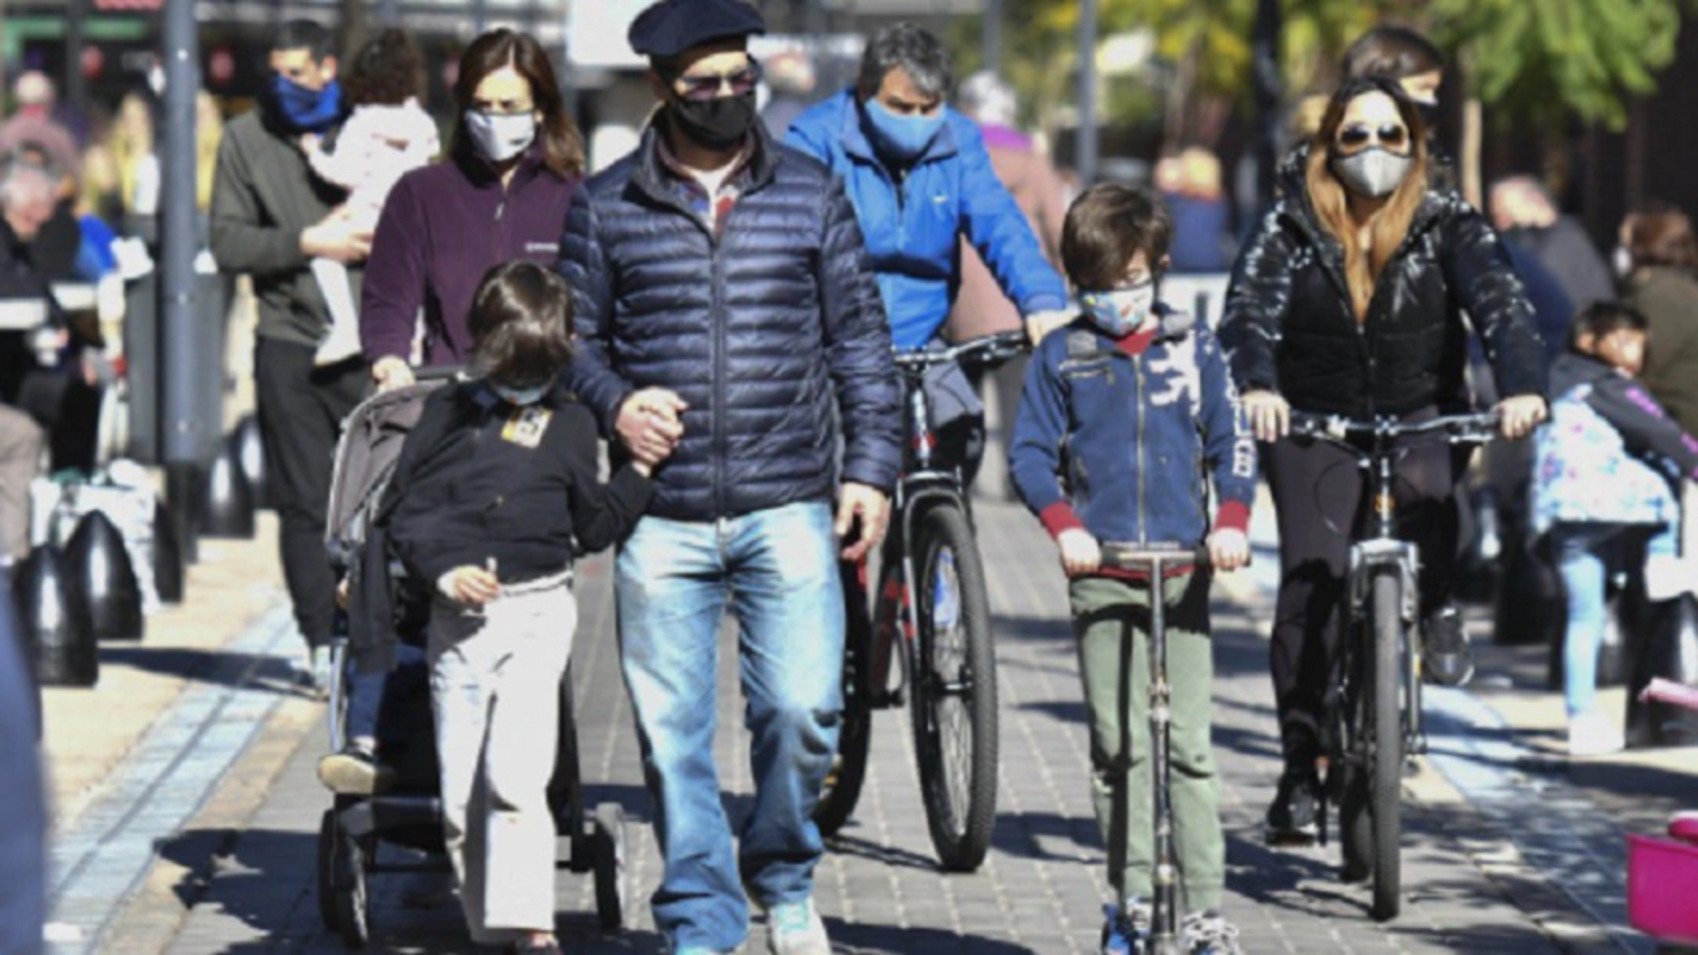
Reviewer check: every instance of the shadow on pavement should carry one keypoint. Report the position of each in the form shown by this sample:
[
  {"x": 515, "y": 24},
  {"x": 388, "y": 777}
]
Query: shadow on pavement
[
  {"x": 218, "y": 667},
  {"x": 850, "y": 845},
  {"x": 869, "y": 939}
]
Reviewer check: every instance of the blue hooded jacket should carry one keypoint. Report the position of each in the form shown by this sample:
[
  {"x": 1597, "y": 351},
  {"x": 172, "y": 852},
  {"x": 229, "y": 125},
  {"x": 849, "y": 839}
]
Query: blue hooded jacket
[{"x": 911, "y": 222}]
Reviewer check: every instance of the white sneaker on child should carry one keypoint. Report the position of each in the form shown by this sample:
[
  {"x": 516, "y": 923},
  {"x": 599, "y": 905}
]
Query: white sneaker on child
[{"x": 1592, "y": 734}]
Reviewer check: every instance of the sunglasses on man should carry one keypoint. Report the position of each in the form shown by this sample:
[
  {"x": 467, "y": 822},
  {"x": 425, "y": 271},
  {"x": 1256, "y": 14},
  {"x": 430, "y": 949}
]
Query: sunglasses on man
[{"x": 706, "y": 86}]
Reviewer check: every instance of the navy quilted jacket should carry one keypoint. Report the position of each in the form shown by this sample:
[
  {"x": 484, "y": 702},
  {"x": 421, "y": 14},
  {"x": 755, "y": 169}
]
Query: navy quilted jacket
[{"x": 773, "y": 332}]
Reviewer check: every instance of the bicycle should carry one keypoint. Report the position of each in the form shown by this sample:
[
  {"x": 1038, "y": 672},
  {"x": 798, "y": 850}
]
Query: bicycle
[
  {"x": 1379, "y": 689},
  {"x": 947, "y": 665}
]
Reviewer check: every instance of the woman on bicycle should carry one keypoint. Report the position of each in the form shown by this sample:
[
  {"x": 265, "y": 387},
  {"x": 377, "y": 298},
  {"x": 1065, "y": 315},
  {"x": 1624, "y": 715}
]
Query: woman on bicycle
[{"x": 1349, "y": 301}]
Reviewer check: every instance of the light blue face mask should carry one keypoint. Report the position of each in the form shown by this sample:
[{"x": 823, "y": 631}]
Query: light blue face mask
[
  {"x": 902, "y": 138},
  {"x": 1121, "y": 311},
  {"x": 521, "y": 397}
]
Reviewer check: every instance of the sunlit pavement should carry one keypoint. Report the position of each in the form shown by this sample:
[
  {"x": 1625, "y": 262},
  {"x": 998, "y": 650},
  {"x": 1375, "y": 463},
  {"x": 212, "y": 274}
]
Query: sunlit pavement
[{"x": 1506, "y": 849}]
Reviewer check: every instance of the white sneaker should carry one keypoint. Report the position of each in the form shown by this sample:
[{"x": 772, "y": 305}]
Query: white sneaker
[
  {"x": 1592, "y": 734},
  {"x": 795, "y": 928}
]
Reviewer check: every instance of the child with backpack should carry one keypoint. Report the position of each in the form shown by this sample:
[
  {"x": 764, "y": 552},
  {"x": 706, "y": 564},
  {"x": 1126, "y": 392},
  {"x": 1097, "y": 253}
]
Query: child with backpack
[
  {"x": 1127, "y": 414},
  {"x": 1604, "y": 490}
]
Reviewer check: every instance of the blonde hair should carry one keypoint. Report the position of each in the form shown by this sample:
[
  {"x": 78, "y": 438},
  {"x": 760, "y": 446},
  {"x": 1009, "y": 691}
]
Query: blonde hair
[{"x": 1390, "y": 225}]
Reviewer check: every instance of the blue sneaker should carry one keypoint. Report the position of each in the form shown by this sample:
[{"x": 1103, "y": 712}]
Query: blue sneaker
[
  {"x": 1125, "y": 927},
  {"x": 795, "y": 928}
]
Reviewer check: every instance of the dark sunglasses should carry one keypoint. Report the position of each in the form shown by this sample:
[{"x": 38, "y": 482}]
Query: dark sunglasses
[
  {"x": 707, "y": 87},
  {"x": 1359, "y": 135}
]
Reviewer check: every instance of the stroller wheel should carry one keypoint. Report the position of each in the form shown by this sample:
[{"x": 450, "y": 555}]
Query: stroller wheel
[
  {"x": 343, "y": 903},
  {"x": 607, "y": 841}
]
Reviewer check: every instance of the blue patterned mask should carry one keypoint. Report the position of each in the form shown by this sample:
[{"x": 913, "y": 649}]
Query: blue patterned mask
[{"x": 1122, "y": 311}]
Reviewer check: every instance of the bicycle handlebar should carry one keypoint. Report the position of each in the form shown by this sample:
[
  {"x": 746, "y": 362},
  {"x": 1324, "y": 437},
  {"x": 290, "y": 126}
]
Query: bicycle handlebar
[
  {"x": 1139, "y": 556},
  {"x": 1475, "y": 428},
  {"x": 989, "y": 348}
]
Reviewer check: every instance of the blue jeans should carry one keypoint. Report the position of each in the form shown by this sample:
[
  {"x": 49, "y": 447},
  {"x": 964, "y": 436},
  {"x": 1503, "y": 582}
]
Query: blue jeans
[
  {"x": 778, "y": 571},
  {"x": 1589, "y": 553}
]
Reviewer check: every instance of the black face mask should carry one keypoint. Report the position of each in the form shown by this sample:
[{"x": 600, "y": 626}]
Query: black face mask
[{"x": 718, "y": 123}]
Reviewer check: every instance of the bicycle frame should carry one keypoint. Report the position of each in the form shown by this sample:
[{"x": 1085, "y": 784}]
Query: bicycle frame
[
  {"x": 1382, "y": 548},
  {"x": 922, "y": 486}
]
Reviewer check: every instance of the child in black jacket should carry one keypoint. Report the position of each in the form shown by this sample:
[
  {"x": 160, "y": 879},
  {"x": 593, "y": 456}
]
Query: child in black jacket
[{"x": 494, "y": 494}]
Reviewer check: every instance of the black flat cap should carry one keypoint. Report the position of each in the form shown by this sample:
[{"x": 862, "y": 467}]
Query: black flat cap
[{"x": 669, "y": 27}]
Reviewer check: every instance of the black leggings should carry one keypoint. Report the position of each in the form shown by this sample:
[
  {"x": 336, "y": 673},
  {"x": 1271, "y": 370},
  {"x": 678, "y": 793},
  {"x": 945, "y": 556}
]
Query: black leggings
[{"x": 1318, "y": 492}]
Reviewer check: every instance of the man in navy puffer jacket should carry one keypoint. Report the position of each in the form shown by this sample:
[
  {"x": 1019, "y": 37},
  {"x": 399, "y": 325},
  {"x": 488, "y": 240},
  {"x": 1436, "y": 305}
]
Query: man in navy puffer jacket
[{"x": 724, "y": 305}]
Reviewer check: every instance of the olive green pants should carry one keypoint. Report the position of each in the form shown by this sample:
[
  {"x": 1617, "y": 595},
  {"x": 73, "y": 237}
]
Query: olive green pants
[{"x": 1111, "y": 619}]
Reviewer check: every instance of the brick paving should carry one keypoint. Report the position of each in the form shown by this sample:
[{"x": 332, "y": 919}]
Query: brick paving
[{"x": 1040, "y": 890}]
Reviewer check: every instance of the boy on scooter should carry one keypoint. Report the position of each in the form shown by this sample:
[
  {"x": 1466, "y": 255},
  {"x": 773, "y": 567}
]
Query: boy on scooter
[{"x": 1126, "y": 414}]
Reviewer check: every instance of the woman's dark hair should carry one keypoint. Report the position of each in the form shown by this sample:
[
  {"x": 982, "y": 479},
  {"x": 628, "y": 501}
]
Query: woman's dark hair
[
  {"x": 1105, "y": 227},
  {"x": 915, "y": 50},
  {"x": 520, "y": 324},
  {"x": 1602, "y": 319},
  {"x": 1661, "y": 234},
  {"x": 563, "y": 148},
  {"x": 1393, "y": 52},
  {"x": 387, "y": 70}
]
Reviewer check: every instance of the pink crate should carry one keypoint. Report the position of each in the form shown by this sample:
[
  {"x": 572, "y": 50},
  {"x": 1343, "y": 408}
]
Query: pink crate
[{"x": 1662, "y": 878}]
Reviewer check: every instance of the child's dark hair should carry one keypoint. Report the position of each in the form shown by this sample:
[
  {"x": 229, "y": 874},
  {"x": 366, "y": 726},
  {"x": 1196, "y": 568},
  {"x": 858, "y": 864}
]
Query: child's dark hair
[
  {"x": 1393, "y": 52},
  {"x": 387, "y": 70},
  {"x": 1105, "y": 227},
  {"x": 1602, "y": 319},
  {"x": 521, "y": 325}
]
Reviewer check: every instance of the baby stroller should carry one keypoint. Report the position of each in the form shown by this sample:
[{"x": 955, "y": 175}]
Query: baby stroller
[{"x": 409, "y": 813}]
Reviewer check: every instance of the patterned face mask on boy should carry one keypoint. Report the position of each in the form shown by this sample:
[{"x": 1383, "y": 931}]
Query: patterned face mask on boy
[{"x": 1120, "y": 312}]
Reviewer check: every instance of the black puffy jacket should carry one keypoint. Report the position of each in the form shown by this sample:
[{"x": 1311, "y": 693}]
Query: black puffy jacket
[
  {"x": 773, "y": 333},
  {"x": 1289, "y": 326}
]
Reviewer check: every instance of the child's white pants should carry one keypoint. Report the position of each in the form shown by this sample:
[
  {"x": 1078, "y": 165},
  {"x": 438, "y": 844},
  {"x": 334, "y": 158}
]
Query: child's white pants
[{"x": 495, "y": 689}]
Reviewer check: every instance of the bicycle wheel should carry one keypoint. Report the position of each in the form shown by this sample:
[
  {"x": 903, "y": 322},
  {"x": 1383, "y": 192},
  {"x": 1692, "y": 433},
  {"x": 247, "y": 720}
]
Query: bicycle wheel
[
  {"x": 954, "y": 690},
  {"x": 1386, "y": 771},
  {"x": 849, "y": 767}
]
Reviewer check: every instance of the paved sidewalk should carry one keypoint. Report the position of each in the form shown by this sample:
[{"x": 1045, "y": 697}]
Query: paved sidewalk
[{"x": 1041, "y": 888}]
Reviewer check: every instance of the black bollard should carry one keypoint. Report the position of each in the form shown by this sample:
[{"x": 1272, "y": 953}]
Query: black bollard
[
  {"x": 167, "y": 557},
  {"x": 57, "y": 632},
  {"x": 227, "y": 501},
  {"x": 100, "y": 577},
  {"x": 250, "y": 450}
]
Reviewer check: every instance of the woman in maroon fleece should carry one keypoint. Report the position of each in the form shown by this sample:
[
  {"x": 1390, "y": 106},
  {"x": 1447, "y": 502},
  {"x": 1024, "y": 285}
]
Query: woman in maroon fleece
[{"x": 501, "y": 196}]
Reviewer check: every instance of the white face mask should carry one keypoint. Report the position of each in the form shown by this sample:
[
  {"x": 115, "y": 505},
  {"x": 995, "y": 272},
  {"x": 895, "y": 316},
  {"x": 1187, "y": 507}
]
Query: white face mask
[
  {"x": 1374, "y": 173},
  {"x": 1622, "y": 261},
  {"x": 500, "y": 138},
  {"x": 1121, "y": 311}
]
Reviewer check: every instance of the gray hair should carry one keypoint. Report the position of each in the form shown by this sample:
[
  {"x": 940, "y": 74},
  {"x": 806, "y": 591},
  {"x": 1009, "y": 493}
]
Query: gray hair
[
  {"x": 22, "y": 183},
  {"x": 914, "y": 49}
]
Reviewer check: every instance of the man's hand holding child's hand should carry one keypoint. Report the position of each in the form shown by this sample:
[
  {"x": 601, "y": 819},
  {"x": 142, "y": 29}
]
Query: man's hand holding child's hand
[
  {"x": 1229, "y": 549},
  {"x": 1080, "y": 553}
]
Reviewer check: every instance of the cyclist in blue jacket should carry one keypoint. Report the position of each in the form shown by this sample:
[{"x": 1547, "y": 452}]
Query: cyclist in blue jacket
[{"x": 919, "y": 177}]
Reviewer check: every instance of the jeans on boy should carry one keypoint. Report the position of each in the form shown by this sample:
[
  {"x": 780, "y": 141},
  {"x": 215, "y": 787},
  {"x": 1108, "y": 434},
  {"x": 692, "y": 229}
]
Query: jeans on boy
[
  {"x": 1589, "y": 553},
  {"x": 778, "y": 570}
]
